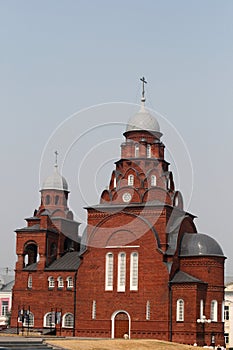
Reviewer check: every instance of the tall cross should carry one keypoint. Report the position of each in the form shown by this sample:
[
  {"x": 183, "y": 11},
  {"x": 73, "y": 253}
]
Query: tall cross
[
  {"x": 56, "y": 155},
  {"x": 143, "y": 86}
]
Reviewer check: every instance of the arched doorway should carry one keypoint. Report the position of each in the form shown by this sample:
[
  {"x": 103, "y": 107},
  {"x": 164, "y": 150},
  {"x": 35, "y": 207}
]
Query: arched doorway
[{"x": 120, "y": 324}]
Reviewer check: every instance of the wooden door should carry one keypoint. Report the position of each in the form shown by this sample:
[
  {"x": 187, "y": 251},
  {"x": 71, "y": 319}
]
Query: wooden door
[{"x": 121, "y": 325}]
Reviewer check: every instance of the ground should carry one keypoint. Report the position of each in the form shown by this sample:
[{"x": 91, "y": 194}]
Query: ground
[{"x": 119, "y": 345}]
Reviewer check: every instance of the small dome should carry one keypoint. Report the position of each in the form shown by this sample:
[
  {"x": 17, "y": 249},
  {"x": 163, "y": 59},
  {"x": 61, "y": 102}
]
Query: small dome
[
  {"x": 143, "y": 120},
  {"x": 193, "y": 244},
  {"x": 55, "y": 182}
]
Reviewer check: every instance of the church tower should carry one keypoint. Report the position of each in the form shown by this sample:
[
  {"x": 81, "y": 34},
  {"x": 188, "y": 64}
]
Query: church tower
[{"x": 148, "y": 269}]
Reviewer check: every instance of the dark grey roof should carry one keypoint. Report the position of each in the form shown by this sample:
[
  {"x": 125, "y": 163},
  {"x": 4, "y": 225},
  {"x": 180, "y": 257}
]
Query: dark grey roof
[
  {"x": 8, "y": 287},
  {"x": 32, "y": 267},
  {"x": 68, "y": 262},
  {"x": 196, "y": 244},
  {"x": 183, "y": 277}
]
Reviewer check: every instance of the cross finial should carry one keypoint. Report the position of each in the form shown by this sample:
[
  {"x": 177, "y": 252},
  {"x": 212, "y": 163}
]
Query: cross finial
[
  {"x": 143, "y": 88},
  {"x": 56, "y": 155}
]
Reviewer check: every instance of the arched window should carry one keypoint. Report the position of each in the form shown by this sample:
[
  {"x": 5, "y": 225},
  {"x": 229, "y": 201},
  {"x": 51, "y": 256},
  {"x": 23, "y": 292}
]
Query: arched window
[
  {"x": 94, "y": 309},
  {"x": 30, "y": 251},
  {"x": 47, "y": 199},
  {"x": 70, "y": 282},
  {"x": 153, "y": 180},
  {"x": 134, "y": 271},
  {"x": 68, "y": 320},
  {"x": 147, "y": 310},
  {"x": 121, "y": 272},
  {"x": 201, "y": 308},
  {"x": 114, "y": 182},
  {"x": 130, "y": 180},
  {"x": 28, "y": 319},
  {"x": 148, "y": 151},
  {"x": 51, "y": 282},
  {"x": 214, "y": 311},
  {"x": 49, "y": 319},
  {"x": 109, "y": 272},
  {"x": 53, "y": 250},
  {"x": 56, "y": 200},
  {"x": 136, "y": 150},
  {"x": 30, "y": 281},
  {"x": 60, "y": 282},
  {"x": 180, "y": 310}
]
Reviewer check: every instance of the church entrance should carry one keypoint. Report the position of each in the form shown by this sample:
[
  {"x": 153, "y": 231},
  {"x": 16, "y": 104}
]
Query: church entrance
[{"x": 121, "y": 325}]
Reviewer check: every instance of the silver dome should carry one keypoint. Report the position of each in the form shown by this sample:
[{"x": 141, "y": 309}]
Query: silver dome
[
  {"x": 55, "y": 182},
  {"x": 143, "y": 120},
  {"x": 193, "y": 244}
]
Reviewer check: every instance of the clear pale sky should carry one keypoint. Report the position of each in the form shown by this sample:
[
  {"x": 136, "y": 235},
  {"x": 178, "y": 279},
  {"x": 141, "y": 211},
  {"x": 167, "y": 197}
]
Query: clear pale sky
[{"x": 60, "y": 56}]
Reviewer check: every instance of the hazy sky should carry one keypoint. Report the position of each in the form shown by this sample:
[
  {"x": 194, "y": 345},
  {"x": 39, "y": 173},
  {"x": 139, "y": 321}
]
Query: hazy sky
[{"x": 59, "y": 57}]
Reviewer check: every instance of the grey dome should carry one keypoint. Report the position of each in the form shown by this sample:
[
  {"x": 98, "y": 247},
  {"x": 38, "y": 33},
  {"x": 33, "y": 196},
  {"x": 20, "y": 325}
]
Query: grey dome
[
  {"x": 55, "y": 182},
  {"x": 143, "y": 120},
  {"x": 199, "y": 244}
]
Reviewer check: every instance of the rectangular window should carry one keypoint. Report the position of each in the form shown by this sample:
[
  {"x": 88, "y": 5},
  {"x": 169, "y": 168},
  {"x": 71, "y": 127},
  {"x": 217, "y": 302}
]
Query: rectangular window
[
  {"x": 148, "y": 310},
  {"x": 109, "y": 272},
  {"x": 226, "y": 337},
  {"x": 5, "y": 305},
  {"x": 180, "y": 310},
  {"x": 214, "y": 311},
  {"x": 226, "y": 313},
  {"x": 121, "y": 272},
  {"x": 94, "y": 309},
  {"x": 134, "y": 271}
]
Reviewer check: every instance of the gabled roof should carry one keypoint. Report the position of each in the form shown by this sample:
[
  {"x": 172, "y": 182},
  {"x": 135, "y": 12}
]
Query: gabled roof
[
  {"x": 8, "y": 287},
  {"x": 183, "y": 277},
  {"x": 68, "y": 262}
]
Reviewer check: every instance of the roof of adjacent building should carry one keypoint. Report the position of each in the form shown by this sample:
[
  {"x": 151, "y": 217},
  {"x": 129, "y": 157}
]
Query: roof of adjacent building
[
  {"x": 6, "y": 283},
  {"x": 68, "y": 262},
  {"x": 183, "y": 277},
  {"x": 197, "y": 244}
]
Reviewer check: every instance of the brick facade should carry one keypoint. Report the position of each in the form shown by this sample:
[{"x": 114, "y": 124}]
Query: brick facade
[{"x": 141, "y": 257}]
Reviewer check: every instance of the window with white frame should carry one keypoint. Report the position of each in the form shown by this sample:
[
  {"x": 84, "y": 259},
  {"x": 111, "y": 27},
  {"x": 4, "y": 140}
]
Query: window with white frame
[
  {"x": 136, "y": 150},
  {"x": 114, "y": 182},
  {"x": 121, "y": 272},
  {"x": 201, "y": 308},
  {"x": 147, "y": 310},
  {"x": 180, "y": 310},
  {"x": 109, "y": 272},
  {"x": 153, "y": 180},
  {"x": 70, "y": 282},
  {"x": 30, "y": 281},
  {"x": 51, "y": 282},
  {"x": 94, "y": 309},
  {"x": 134, "y": 271},
  {"x": 226, "y": 312},
  {"x": 60, "y": 282},
  {"x": 214, "y": 311},
  {"x": 148, "y": 151},
  {"x": 28, "y": 319},
  {"x": 130, "y": 180},
  {"x": 5, "y": 306},
  {"x": 68, "y": 320},
  {"x": 226, "y": 338},
  {"x": 49, "y": 319}
]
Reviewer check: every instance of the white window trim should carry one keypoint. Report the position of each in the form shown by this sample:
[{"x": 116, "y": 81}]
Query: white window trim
[
  {"x": 153, "y": 181},
  {"x": 214, "y": 311},
  {"x": 134, "y": 271},
  {"x": 30, "y": 281},
  {"x": 130, "y": 180},
  {"x": 51, "y": 282},
  {"x": 94, "y": 309},
  {"x": 136, "y": 154},
  {"x": 45, "y": 318},
  {"x": 121, "y": 275},
  {"x": 201, "y": 309},
  {"x": 60, "y": 282},
  {"x": 109, "y": 265},
  {"x": 180, "y": 310},
  {"x": 70, "y": 282},
  {"x": 64, "y": 320},
  {"x": 147, "y": 310},
  {"x": 148, "y": 151},
  {"x": 31, "y": 320}
]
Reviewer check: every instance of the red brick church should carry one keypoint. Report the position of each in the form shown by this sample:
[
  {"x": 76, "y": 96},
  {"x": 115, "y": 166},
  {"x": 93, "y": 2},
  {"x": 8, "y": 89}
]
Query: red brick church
[{"x": 141, "y": 269}]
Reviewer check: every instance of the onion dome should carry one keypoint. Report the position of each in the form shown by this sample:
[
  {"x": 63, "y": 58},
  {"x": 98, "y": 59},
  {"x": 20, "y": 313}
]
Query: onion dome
[
  {"x": 199, "y": 244},
  {"x": 55, "y": 182},
  {"x": 143, "y": 120}
]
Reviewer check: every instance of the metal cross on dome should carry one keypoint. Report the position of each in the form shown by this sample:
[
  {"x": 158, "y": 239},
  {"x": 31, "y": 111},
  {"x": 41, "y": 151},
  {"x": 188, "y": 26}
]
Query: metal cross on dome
[
  {"x": 143, "y": 86},
  {"x": 56, "y": 155}
]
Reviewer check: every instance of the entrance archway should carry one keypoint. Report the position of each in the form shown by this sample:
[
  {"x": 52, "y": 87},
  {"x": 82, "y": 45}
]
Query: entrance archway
[{"x": 120, "y": 324}]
